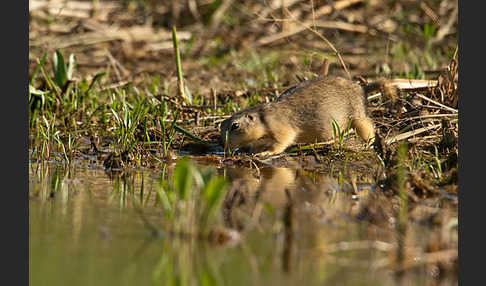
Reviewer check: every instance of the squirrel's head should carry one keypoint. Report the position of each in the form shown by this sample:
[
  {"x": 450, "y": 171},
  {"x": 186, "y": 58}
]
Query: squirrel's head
[{"x": 241, "y": 129}]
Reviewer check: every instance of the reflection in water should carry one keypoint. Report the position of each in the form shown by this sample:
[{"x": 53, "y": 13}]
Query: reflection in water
[
  {"x": 305, "y": 203},
  {"x": 296, "y": 227},
  {"x": 288, "y": 221}
]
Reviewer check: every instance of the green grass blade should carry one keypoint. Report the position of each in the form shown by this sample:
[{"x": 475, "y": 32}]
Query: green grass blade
[
  {"x": 213, "y": 193},
  {"x": 59, "y": 68},
  {"x": 36, "y": 91},
  {"x": 183, "y": 178},
  {"x": 190, "y": 135},
  {"x": 166, "y": 203},
  {"x": 96, "y": 78},
  {"x": 183, "y": 90},
  {"x": 177, "y": 53},
  {"x": 187, "y": 94},
  {"x": 37, "y": 68},
  {"x": 71, "y": 65},
  {"x": 334, "y": 130}
]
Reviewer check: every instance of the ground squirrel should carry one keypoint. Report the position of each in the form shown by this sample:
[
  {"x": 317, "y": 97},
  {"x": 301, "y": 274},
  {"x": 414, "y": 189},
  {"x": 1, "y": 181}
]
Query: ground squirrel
[{"x": 303, "y": 114}]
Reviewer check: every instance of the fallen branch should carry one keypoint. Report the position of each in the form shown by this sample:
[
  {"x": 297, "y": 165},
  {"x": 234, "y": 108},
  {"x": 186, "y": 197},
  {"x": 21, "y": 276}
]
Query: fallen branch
[
  {"x": 306, "y": 25},
  {"x": 72, "y": 5},
  {"x": 408, "y": 85},
  {"x": 338, "y": 5},
  {"x": 109, "y": 34},
  {"x": 437, "y": 103},
  {"x": 409, "y": 134}
]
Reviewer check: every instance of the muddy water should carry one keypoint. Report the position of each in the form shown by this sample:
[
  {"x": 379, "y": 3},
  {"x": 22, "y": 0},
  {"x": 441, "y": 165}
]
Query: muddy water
[{"x": 294, "y": 228}]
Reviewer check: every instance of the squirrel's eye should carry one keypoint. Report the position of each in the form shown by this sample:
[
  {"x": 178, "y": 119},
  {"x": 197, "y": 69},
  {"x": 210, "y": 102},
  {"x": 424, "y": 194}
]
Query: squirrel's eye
[{"x": 234, "y": 126}]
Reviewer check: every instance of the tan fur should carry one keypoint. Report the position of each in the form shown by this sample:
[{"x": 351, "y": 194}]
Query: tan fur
[
  {"x": 364, "y": 127},
  {"x": 385, "y": 87},
  {"x": 303, "y": 114}
]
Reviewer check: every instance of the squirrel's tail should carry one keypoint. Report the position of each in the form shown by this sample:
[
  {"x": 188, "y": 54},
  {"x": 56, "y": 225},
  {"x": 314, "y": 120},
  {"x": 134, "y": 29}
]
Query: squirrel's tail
[{"x": 385, "y": 87}]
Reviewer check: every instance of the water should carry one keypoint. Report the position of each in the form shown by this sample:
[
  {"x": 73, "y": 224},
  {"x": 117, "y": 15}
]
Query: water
[{"x": 294, "y": 228}]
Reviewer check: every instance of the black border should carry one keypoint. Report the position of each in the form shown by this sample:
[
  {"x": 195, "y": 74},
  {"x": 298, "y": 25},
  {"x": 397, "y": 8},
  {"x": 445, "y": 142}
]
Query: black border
[
  {"x": 471, "y": 143},
  {"x": 14, "y": 117}
]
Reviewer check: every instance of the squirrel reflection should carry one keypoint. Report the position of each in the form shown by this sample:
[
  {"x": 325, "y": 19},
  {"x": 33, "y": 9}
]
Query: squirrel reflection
[{"x": 275, "y": 186}]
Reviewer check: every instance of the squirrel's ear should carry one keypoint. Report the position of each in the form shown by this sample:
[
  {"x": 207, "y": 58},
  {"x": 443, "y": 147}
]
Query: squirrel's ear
[{"x": 251, "y": 117}]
